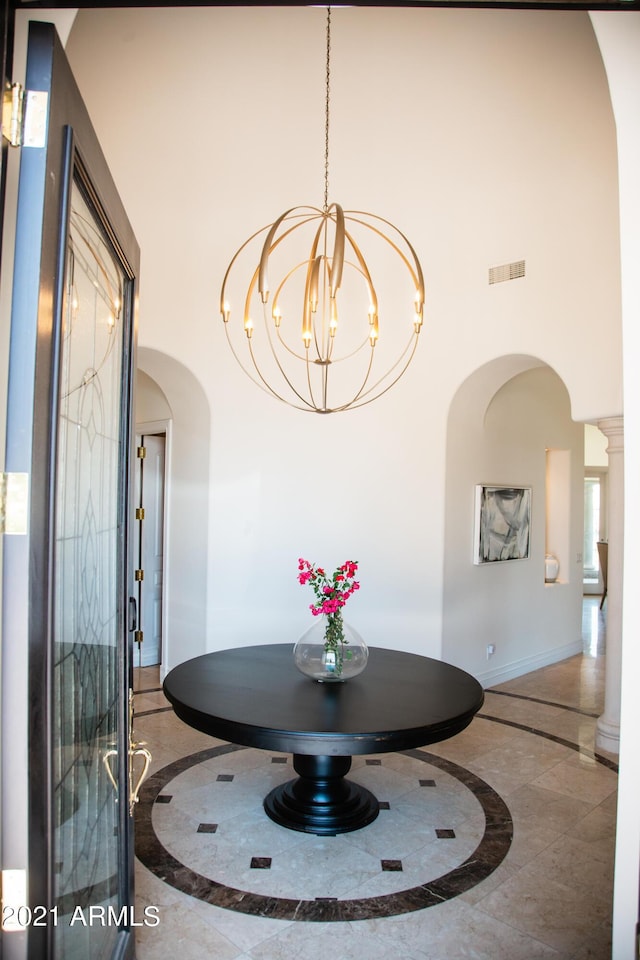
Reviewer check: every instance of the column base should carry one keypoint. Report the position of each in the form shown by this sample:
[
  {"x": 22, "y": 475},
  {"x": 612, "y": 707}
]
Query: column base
[{"x": 607, "y": 735}]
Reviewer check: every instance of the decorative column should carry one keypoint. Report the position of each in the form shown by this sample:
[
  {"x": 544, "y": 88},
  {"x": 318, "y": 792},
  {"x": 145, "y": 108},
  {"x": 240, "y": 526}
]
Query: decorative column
[{"x": 608, "y": 725}]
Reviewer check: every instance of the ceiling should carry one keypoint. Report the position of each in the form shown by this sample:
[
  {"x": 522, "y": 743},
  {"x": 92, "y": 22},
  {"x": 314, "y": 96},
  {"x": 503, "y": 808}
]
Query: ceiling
[{"x": 530, "y": 5}]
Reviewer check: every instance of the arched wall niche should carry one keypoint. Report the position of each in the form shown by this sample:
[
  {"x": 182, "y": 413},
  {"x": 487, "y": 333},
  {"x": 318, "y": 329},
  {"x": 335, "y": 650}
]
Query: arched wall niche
[
  {"x": 503, "y": 422},
  {"x": 187, "y": 500},
  {"x": 151, "y": 403}
]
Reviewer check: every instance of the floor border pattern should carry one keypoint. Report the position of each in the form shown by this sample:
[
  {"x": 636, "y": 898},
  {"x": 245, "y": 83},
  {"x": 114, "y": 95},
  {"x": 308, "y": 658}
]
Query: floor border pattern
[{"x": 487, "y": 856}]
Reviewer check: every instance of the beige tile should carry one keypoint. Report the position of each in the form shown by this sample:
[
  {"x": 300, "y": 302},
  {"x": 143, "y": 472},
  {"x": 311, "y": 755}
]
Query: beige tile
[
  {"x": 554, "y": 913},
  {"x": 579, "y": 778},
  {"x": 190, "y": 938},
  {"x": 597, "y": 826},
  {"x": 578, "y": 867},
  {"x": 457, "y": 931},
  {"x": 313, "y": 941},
  {"x": 240, "y": 929}
]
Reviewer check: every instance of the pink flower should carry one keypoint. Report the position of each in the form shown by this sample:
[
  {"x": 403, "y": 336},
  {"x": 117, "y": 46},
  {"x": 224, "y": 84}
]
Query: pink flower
[{"x": 331, "y": 593}]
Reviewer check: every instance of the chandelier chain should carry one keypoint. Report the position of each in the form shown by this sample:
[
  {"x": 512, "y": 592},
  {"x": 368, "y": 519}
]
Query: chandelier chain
[{"x": 326, "y": 113}]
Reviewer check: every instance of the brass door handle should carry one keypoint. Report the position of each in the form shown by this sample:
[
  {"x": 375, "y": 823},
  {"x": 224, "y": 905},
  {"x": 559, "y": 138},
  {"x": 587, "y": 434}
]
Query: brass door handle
[
  {"x": 106, "y": 757},
  {"x": 137, "y": 750}
]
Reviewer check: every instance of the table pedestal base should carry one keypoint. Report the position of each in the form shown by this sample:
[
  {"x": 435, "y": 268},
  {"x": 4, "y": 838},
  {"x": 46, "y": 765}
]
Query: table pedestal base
[{"x": 320, "y": 800}]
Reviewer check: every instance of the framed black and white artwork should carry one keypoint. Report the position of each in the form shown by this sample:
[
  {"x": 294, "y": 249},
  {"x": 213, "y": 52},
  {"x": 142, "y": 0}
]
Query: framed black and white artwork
[{"x": 502, "y": 523}]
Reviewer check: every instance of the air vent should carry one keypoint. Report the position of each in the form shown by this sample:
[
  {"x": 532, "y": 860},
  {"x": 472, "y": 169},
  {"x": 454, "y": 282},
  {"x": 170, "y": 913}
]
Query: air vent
[{"x": 508, "y": 271}]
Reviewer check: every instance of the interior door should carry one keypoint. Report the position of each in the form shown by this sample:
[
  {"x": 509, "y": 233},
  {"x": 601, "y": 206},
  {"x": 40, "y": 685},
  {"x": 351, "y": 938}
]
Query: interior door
[
  {"x": 150, "y": 517},
  {"x": 69, "y": 430}
]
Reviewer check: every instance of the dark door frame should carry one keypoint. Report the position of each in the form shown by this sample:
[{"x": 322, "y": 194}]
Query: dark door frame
[{"x": 32, "y": 434}]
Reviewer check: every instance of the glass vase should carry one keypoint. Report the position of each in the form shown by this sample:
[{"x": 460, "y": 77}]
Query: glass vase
[{"x": 330, "y": 651}]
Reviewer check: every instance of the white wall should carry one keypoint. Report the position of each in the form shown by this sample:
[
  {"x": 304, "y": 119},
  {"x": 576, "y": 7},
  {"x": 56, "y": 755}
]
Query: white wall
[
  {"x": 151, "y": 403},
  {"x": 486, "y": 135},
  {"x": 595, "y": 447},
  {"x": 509, "y": 604}
]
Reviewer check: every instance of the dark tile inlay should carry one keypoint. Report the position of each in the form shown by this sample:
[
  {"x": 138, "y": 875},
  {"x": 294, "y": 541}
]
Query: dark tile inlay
[
  {"x": 207, "y": 827},
  {"x": 445, "y": 834},
  {"x": 164, "y": 798},
  {"x": 547, "y": 703},
  {"x": 373, "y": 763},
  {"x": 149, "y": 713},
  {"x": 489, "y": 854},
  {"x": 260, "y": 863},
  {"x": 391, "y": 865},
  {"x": 427, "y": 783},
  {"x": 384, "y": 804},
  {"x": 278, "y": 759},
  {"x": 225, "y": 777},
  {"x": 605, "y": 761}
]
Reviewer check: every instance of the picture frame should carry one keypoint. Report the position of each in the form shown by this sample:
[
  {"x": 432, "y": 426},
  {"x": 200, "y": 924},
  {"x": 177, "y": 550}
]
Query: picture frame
[{"x": 502, "y": 523}]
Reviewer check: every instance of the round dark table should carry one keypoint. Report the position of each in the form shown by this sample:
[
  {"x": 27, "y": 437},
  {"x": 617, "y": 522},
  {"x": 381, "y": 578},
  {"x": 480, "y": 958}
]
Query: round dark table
[{"x": 255, "y": 696}]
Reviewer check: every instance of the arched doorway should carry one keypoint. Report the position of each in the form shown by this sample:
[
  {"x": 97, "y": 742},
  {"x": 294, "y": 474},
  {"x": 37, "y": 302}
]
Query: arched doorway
[
  {"x": 510, "y": 425},
  {"x": 170, "y": 394}
]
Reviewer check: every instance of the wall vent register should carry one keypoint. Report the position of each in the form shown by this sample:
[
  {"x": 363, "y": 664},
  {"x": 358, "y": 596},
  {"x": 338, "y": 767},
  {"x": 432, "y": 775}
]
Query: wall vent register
[{"x": 508, "y": 271}]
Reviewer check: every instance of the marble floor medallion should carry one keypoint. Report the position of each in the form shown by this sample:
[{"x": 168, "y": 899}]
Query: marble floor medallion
[{"x": 200, "y": 828}]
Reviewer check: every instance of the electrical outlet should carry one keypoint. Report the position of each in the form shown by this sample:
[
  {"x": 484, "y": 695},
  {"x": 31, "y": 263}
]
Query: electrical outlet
[{"x": 491, "y": 649}]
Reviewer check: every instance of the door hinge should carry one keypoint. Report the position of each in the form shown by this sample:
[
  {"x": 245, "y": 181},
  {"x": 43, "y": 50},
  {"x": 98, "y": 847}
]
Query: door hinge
[
  {"x": 12, "y": 113},
  {"x": 24, "y": 116},
  {"x": 138, "y": 636},
  {"x": 141, "y": 453},
  {"x": 14, "y": 497},
  {"x": 138, "y": 575},
  {"x": 139, "y": 513}
]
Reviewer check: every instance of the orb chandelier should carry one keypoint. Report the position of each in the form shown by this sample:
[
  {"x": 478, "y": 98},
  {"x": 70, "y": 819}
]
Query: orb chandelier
[{"x": 326, "y": 327}]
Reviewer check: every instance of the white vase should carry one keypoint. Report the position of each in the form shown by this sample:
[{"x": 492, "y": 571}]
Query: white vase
[{"x": 551, "y": 568}]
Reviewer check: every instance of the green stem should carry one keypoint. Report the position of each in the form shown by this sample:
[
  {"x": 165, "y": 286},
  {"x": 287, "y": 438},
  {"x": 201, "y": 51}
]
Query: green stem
[{"x": 334, "y": 638}]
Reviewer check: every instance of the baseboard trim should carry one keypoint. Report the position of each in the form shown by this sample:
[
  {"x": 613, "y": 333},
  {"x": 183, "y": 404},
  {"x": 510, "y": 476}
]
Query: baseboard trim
[{"x": 490, "y": 678}]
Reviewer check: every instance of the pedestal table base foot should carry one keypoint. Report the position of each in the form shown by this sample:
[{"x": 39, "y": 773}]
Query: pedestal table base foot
[{"x": 321, "y": 800}]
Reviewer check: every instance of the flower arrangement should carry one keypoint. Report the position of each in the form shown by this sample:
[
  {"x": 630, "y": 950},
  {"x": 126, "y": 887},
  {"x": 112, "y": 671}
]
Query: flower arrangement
[{"x": 331, "y": 595}]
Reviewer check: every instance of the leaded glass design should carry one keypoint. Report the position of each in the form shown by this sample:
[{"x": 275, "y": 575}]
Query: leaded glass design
[{"x": 87, "y": 589}]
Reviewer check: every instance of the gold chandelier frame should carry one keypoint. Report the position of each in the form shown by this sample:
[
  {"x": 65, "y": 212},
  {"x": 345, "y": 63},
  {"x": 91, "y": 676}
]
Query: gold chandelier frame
[{"x": 310, "y": 340}]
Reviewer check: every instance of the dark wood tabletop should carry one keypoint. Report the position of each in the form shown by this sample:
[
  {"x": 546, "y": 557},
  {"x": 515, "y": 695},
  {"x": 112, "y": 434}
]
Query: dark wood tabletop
[{"x": 255, "y": 696}]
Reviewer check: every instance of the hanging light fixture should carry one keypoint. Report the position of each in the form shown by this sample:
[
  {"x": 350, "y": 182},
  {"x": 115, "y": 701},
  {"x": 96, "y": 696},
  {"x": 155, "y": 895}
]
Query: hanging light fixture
[{"x": 326, "y": 330}]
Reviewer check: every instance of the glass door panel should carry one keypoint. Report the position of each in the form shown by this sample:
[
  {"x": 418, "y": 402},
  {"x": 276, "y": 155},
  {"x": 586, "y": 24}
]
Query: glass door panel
[{"x": 87, "y": 591}]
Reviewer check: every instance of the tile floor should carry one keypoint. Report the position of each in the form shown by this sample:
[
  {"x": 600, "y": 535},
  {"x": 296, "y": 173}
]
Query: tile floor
[{"x": 495, "y": 844}]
